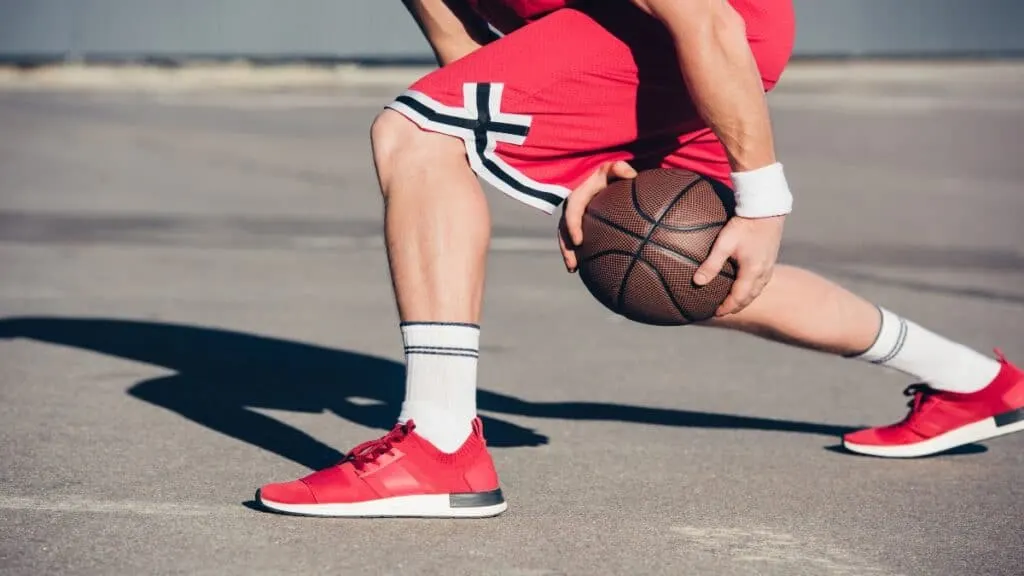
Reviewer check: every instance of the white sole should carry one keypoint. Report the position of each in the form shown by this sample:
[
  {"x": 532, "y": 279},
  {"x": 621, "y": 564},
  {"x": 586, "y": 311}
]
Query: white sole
[
  {"x": 981, "y": 430},
  {"x": 479, "y": 505}
]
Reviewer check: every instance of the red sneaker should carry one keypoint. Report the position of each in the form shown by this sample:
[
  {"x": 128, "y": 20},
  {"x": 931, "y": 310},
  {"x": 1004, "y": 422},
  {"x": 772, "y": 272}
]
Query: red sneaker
[
  {"x": 939, "y": 421},
  {"x": 401, "y": 475}
]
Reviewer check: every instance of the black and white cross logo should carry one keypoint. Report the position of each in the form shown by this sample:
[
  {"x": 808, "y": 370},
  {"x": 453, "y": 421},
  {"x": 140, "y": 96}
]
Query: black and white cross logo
[{"x": 481, "y": 124}]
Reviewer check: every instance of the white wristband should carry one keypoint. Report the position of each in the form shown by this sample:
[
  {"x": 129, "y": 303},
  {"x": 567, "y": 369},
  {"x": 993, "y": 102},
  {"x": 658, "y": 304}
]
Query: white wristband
[{"x": 762, "y": 193}]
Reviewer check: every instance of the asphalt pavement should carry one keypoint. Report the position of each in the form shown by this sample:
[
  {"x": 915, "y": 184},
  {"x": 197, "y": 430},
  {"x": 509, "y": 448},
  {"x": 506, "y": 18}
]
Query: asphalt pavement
[{"x": 194, "y": 301}]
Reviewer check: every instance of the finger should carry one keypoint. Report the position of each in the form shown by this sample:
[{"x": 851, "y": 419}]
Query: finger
[
  {"x": 575, "y": 206},
  {"x": 759, "y": 285},
  {"x": 742, "y": 293},
  {"x": 761, "y": 281},
  {"x": 621, "y": 170},
  {"x": 568, "y": 254},
  {"x": 755, "y": 292},
  {"x": 713, "y": 264}
]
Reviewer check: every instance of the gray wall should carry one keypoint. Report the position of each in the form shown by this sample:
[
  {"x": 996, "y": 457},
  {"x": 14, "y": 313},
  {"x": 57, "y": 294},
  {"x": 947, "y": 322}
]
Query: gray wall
[
  {"x": 347, "y": 29},
  {"x": 917, "y": 27}
]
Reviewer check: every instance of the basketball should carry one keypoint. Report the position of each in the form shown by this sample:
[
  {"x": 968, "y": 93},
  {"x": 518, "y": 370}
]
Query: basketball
[{"x": 643, "y": 240}]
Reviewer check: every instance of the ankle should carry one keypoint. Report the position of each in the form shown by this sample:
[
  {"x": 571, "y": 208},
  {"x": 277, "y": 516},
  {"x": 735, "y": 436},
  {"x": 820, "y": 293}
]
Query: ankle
[
  {"x": 445, "y": 431},
  {"x": 441, "y": 367}
]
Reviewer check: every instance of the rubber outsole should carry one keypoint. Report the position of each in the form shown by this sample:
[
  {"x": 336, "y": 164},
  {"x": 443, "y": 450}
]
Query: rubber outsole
[
  {"x": 464, "y": 505},
  {"x": 986, "y": 429}
]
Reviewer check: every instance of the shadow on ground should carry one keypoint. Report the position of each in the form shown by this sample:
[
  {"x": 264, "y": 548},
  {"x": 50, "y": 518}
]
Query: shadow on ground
[{"x": 221, "y": 376}]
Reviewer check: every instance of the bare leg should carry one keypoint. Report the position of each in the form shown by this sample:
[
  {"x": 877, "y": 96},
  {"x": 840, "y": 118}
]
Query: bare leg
[
  {"x": 437, "y": 224},
  {"x": 437, "y": 230},
  {"x": 801, "y": 308}
]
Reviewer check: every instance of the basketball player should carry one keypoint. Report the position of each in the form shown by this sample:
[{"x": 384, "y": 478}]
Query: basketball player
[{"x": 573, "y": 94}]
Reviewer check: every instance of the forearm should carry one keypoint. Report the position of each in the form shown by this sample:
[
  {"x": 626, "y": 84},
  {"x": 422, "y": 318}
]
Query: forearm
[
  {"x": 450, "y": 27},
  {"x": 721, "y": 75},
  {"x": 726, "y": 88}
]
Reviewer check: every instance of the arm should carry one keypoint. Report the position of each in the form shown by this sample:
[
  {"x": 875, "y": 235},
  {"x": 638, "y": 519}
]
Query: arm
[
  {"x": 721, "y": 74},
  {"x": 725, "y": 85},
  {"x": 450, "y": 26}
]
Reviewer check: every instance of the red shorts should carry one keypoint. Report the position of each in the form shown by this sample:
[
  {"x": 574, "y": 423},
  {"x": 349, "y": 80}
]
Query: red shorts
[{"x": 542, "y": 107}]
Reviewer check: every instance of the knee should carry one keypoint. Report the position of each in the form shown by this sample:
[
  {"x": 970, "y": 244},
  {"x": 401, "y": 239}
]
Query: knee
[
  {"x": 387, "y": 133},
  {"x": 394, "y": 137}
]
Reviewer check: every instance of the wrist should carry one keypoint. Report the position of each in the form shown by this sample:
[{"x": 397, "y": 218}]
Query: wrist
[{"x": 762, "y": 193}]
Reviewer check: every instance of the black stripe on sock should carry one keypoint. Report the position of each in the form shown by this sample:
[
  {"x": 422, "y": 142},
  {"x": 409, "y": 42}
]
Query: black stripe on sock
[
  {"x": 462, "y": 324},
  {"x": 441, "y": 353},
  {"x": 443, "y": 349},
  {"x": 900, "y": 341}
]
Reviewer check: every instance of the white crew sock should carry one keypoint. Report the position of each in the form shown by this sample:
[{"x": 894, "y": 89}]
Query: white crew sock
[
  {"x": 440, "y": 381},
  {"x": 937, "y": 361}
]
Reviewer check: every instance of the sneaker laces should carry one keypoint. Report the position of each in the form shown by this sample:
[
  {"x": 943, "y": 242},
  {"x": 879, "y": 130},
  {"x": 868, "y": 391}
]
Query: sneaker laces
[
  {"x": 919, "y": 394},
  {"x": 370, "y": 451}
]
